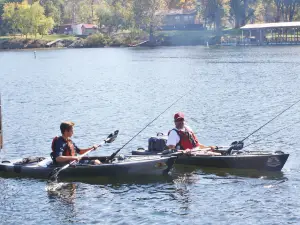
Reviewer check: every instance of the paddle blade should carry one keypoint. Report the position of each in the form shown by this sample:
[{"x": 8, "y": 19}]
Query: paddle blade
[
  {"x": 52, "y": 177},
  {"x": 112, "y": 137}
]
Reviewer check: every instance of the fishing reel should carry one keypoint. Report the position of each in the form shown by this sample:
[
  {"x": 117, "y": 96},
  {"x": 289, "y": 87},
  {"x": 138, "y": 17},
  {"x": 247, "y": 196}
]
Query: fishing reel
[
  {"x": 236, "y": 145},
  {"x": 112, "y": 137}
]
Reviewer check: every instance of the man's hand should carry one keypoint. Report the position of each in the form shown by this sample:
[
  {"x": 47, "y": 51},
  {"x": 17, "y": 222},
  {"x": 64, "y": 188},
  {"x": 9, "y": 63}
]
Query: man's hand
[
  {"x": 212, "y": 148},
  {"x": 187, "y": 151}
]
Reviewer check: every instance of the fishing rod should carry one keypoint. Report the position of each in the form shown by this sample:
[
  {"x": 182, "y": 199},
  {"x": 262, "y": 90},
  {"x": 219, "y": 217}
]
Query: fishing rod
[
  {"x": 239, "y": 145},
  {"x": 270, "y": 121},
  {"x": 271, "y": 134},
  {"x": 115, "y": 153}
]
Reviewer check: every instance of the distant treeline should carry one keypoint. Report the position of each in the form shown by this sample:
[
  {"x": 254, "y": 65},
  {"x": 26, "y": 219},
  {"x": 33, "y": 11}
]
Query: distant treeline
[{"x": 32, "y": 17}]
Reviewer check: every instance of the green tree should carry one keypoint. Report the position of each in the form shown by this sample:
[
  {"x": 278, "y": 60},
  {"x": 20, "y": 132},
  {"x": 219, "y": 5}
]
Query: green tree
[
  {"x": 236, "y": 12},
  {"x": 46, "y": 24},
  {"x": 115, "y": 16},
  {"x": 145, "y": 12},
  {"x": 2, "y": 3},
  {"x": 27, "y": 19},
  {"x": 12, "y": 14},
  {"x": 54, "y": 9}
]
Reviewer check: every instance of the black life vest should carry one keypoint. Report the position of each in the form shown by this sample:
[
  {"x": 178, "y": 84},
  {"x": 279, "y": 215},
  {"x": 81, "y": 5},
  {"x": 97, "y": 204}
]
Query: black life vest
[{"x": 68, "y": 151}]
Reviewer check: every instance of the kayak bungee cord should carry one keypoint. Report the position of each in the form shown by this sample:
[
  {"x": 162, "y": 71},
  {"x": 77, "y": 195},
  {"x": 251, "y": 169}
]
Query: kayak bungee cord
[
  {"x": 269, "y": 121},
  {"x": 115, "y": 153}
]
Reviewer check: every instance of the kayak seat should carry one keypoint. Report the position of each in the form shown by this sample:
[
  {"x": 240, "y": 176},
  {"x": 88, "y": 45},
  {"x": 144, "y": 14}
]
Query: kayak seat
[{"x": 53, "y": 158}]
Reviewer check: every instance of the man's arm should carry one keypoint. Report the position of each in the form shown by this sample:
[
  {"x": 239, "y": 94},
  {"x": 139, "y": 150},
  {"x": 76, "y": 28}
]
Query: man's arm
[
  {"x": 63, "y": 159},
  {"x": 82, "y": 151},
  {"x": 173, "y": 140}
]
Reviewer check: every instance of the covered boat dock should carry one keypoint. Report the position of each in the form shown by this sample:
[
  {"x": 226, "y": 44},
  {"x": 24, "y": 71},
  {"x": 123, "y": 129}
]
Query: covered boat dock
[{"x": 282, "y": 33}]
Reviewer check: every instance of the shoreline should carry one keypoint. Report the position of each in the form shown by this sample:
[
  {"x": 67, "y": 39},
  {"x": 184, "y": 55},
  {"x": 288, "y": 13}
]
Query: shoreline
[
  {"x": 101, "y": 41},
  {"x": 13, "y": 48}
]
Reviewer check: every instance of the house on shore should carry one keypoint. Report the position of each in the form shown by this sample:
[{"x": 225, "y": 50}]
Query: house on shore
[
  {"x": 64, "y": 29},
  {"x": 77, "y": 29},
  {"x": 179, "y": 19},
  {"x": 85, "y": 29}
]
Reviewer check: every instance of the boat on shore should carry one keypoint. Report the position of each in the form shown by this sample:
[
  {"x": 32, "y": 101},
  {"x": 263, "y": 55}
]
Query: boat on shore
[
  {"x": 257, "y": 160},
  {"x": 40, "y": 167}
]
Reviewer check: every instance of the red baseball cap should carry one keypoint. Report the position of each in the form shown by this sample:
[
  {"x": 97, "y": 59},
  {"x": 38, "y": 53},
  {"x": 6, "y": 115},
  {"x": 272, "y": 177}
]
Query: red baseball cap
[{"x": 178, "y": 116}]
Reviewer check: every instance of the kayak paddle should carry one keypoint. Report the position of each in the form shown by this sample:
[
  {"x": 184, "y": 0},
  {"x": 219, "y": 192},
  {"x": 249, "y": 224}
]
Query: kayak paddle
[{"x": 53, "y": 175}]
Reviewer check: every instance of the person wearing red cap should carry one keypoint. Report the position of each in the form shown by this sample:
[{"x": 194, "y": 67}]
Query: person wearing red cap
[{"x": 182, "y": 136}]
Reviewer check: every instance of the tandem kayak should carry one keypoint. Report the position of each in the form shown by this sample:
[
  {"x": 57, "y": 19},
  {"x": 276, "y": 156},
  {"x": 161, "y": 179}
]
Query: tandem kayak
[
  {"x": 40, "y": 167},
  {"x": 263, "y": 161}
]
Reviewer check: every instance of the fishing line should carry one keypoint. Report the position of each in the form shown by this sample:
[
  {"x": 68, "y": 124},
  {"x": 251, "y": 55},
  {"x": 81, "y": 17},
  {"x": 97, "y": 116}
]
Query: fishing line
[
  {"x": 156, "y": 118},
  {"x": 271, "y": 134},
  {"x": 270, "y": 121}
]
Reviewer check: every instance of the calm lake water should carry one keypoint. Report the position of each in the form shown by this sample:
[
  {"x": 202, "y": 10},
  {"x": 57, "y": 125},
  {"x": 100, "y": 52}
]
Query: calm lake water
[{"x": 232, "y": 91}]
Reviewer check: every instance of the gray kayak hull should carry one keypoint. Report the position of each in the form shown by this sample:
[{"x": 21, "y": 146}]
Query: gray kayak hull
[
  {"x": 41, "y": 168},
  {"x": 263, "y": 161}
]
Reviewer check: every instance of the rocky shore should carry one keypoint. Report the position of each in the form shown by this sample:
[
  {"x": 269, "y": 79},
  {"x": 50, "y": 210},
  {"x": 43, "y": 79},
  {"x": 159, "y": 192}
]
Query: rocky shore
[
  {"x": 18, "y": 43},
  {"x": 100, "y": 40},
  {"x": 92, "y": 41}
]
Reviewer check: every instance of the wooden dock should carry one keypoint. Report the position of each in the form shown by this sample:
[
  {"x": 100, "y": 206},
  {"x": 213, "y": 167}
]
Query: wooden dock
[{"x": 50, "y": 44}]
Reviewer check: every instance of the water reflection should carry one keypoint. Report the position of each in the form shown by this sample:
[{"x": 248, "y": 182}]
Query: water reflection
[
  {"x": 62, "y": 201},
  {"x": 62, "y": 191},
  {"x": 116, "y": 181},
  {"x": 182, "y": 193}
]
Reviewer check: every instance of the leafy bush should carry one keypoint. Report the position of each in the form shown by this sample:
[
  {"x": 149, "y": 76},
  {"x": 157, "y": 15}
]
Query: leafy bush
[
  {"x": 131, "y": 36},
  {"x": 97, "y": 40}
]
